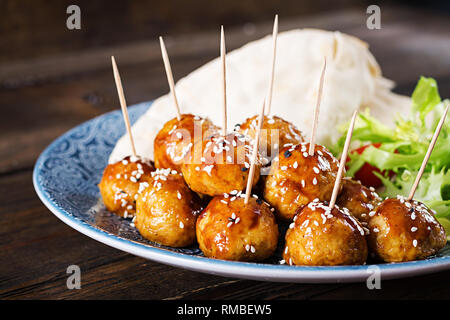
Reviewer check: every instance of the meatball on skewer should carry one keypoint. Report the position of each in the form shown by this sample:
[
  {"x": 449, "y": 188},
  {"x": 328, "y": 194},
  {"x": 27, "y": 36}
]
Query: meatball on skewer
[
  {"x": 174, "y": 141},
  {"x": 236, "y": 226},
  {"x": 324, "y": 234},
  {"x": 301, "y": 173},
  {"x": 220, "y": 163},
  {"x": 358, "y": 199},
  {"x": 276, "y": 132},
  {"x": 122, "y": 181},
  {"x": 404, "y": 229},
  {"x": 166, "y": 211}
]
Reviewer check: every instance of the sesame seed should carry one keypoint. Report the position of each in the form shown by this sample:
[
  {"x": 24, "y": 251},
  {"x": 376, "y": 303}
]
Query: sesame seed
[
  {"x": 295, "y": 165},
  {"x": 314, "y": 181},
  {"x": 291, "y": 226},
  {"x": 247, "y": 247},
  {"x": 125, "y": 162},
  {"x": 229, "y": 224},
  {"x": 178, "y": 195},
  {"x": 376, "y": 230},
  {"x": 252, "y": 249},
  {"x": 316, "y": 170},
  {"x": 237, "y": 220},
  {"x": 181, "y": 225},
  {"x": 415, "y": 243},
  {"x": 413, "y": 229},
  {"x": 118, "y": 176},
  {"x": 282, "y": 261}
]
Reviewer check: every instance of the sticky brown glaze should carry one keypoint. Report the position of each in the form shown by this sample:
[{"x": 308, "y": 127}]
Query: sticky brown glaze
[
  {"x": 323, "y": 237},
  {"x": 121, "y": 183},
  {"x": 358, "y": 199},
  {"x": 402, "y": 230},
  {"x": 275, "y": 134},
  {"x": 230, "y": 230},
  {"x": 295, "y": 178},
  {"x": 166, "y": 211},
  {"x": 219, "y": 165},
  {"x": 176, "y": 138}
]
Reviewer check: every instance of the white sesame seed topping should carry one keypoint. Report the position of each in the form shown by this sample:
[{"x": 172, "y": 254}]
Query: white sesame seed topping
[
  {"x": 316, "y": 170},
  {"x": 314, "y": 181},
  {"x": 252, "y": 249},
  {"x": 413, "y": 229},
  {"x": 178, "y": 195},
  {"x": 415, "y": 243},
  {"x": 181, "y": 225}
]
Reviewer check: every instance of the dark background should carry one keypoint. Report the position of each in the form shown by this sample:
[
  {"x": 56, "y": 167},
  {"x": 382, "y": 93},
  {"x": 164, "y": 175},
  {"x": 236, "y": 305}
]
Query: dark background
[{"x": 52, "y": 79}]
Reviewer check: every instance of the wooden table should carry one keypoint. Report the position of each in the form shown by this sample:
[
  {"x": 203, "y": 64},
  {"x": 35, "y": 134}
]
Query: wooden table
[{"x": 43, "y": 98}]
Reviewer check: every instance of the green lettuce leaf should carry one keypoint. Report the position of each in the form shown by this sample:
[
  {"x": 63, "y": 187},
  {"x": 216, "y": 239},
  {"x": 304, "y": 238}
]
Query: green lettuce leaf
[{"x": 403, "y": 148}]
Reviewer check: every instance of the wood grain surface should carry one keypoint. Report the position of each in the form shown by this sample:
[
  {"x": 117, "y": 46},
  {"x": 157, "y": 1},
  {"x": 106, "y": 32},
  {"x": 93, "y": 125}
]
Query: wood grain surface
[{"x": 41, "y": 98}]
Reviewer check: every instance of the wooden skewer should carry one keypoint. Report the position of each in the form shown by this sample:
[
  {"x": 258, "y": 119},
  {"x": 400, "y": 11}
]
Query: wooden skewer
[
  {"x": 169, "y": 74},
  {"x": 274, "y": 53},
  {"x": 248, "y": 191},
  {"x": 337, "y": 183},
  {"x": 224, "y": 80},
  {"x": 316, "y": 110},
  {"x": 123, "y": 104},
  {"x": 428, "y": 154}
]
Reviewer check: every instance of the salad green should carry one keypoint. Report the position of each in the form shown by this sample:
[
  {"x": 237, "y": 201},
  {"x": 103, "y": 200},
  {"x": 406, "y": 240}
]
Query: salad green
[{"x": 403, "y": 148}]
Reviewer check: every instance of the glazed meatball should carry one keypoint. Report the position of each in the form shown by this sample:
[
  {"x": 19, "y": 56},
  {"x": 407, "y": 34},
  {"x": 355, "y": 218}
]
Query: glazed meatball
[
  {"x": 275, "y": 134},
  {"x": 358, "y": 199},
  {"x": 228, "y": 229},
  {"x": 167, "y": 210},
  {"x": 175, "y": 140},
  {"x": 219, "y": 165},
  {"x": 402, "y": 230},
  {"x": 323, "y": 237},
  {"x": 295, "y": 178},
  {"x": 121, "y": 183}
]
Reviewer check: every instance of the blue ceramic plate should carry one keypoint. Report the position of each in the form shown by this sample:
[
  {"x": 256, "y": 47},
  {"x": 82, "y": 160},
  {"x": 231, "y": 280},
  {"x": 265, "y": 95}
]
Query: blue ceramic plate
[{"x": 66, "y": 176}]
